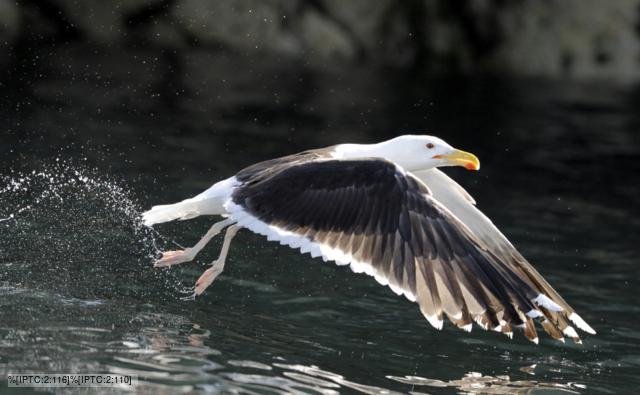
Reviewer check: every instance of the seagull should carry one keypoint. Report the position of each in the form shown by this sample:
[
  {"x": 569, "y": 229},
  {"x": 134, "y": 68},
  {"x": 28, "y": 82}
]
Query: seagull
[{"x": 385, "y": 210}]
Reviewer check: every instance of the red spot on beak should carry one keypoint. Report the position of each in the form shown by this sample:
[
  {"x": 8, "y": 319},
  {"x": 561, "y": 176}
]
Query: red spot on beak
[{"x": 470, "y": 166}]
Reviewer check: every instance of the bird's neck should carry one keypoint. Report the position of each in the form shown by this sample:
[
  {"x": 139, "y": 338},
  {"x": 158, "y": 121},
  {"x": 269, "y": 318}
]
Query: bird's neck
[{"x": 351, "y": 151}]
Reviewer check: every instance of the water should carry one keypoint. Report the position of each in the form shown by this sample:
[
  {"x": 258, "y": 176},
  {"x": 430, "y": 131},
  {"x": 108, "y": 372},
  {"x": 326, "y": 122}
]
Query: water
[{"x": 89, "y": 140}]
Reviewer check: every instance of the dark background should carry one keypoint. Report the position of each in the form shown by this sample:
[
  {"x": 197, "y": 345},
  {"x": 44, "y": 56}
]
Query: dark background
[
  {"x": 118, "y": 76},
  {"x": 551, "y": 38},
  {"x": 300, "y": 70}
]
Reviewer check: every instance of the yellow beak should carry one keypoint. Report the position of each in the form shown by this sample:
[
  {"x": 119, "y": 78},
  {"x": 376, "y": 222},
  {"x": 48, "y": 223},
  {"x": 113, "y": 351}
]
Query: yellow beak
[{"x": 461, "y": 158}]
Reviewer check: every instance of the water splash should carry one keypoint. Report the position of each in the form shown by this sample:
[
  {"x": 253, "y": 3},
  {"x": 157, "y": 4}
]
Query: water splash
[
  {"x": 62, "y": 181},
  {"x": 71, "y": 226}
]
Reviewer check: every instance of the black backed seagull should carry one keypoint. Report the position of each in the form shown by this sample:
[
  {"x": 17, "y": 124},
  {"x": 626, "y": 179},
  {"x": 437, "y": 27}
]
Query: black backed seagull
[{"x": 385, "y": 210}]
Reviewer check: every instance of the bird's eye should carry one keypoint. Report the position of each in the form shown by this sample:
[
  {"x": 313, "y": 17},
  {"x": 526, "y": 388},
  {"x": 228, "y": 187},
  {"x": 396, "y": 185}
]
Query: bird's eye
[{"x": 430, "y": 145}]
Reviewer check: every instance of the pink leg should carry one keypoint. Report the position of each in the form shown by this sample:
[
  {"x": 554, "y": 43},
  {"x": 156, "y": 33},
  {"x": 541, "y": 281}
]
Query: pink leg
[
  {"x": 170, "y": 258},
  {"x": 218, "y": 265}
]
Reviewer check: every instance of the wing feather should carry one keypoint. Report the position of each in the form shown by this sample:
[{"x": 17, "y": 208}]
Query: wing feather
[
  {"x": 385, "y": 222},
  {"x": 462, "y": 205}
]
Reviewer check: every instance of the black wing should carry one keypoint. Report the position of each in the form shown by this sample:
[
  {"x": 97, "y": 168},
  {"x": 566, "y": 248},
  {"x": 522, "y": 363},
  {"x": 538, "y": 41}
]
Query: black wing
[
  {"x": 383, "y": 221},
  {"x": 462, "y": 205}
]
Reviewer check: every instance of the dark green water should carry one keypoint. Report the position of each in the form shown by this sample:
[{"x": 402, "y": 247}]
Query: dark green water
[{"x": 90, "y": 140}]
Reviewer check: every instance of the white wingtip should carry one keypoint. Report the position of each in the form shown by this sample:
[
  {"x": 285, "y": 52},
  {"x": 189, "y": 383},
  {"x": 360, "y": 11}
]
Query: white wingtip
[
  {"x": 396, "y": 289},
  {"x": 381, "y": 279},
  {"x": 478, "y": 320},
  {"x": 467, "y": 328},
  {"x": 576, "y": 319},
  {"x": 570, "y": 332},
  {"x": 434, "y": 321},
  {"x": 410, "y": 296},
  {"x": 544, "y": 301}
]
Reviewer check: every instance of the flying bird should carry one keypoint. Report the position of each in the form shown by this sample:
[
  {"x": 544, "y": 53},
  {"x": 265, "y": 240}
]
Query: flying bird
[{"x": 386, "y": 210}]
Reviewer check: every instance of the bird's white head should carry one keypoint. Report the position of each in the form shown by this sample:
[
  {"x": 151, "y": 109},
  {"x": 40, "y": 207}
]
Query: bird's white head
[{"x": 412, "y": 152}]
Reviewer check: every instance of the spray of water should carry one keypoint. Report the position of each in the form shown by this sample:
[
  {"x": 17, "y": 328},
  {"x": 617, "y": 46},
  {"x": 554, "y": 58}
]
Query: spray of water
[{"x": 70, "y": 227}]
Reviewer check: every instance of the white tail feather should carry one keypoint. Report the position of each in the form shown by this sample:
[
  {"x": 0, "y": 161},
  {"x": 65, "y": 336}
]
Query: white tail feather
[
  {"x": 209, "y": 202},
  {"x": 168, "y": 212}
]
